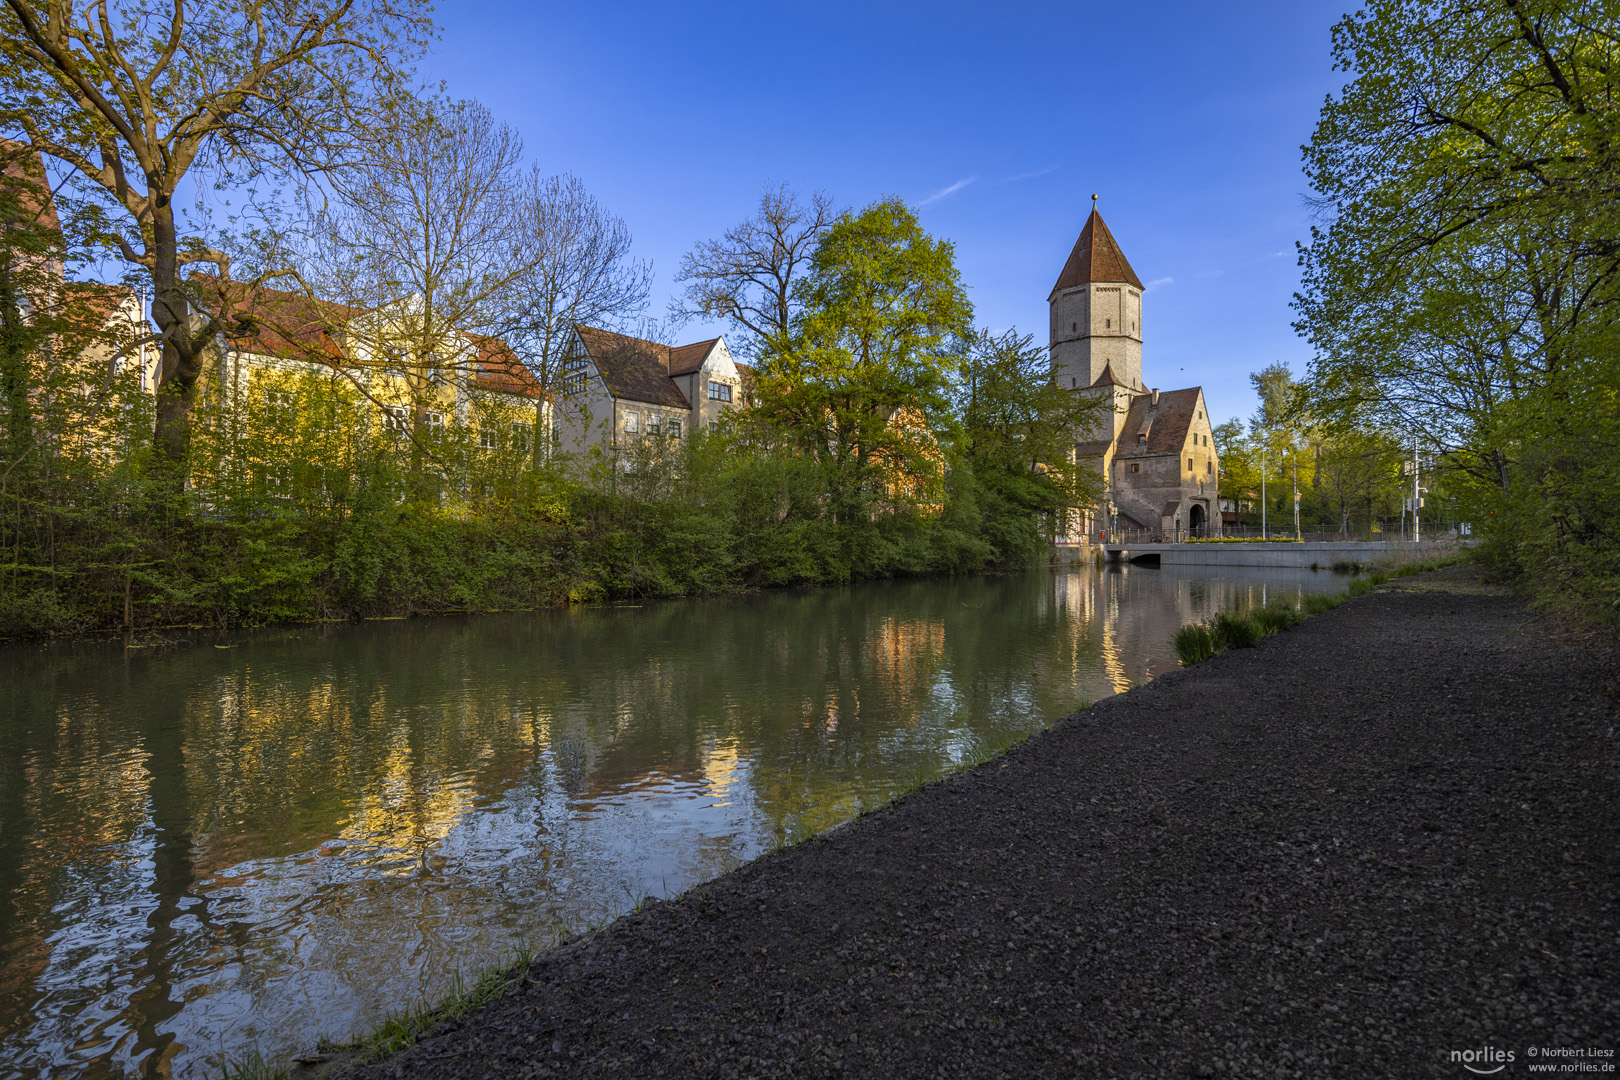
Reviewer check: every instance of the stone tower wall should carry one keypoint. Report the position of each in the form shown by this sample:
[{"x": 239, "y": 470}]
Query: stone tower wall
[{"x": 1093, "y": 326}]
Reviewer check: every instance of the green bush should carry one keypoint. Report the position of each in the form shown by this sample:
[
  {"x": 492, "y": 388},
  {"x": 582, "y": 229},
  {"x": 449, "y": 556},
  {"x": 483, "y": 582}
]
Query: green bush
[
  {"x": 1274, "y": 619},
  {"x": 1194, "y": 644},
  {"x": 1233, "y": 632}
]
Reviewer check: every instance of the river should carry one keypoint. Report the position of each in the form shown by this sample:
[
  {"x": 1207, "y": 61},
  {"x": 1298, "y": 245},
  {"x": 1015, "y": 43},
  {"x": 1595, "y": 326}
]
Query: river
[{"x": 259, "y": 839}]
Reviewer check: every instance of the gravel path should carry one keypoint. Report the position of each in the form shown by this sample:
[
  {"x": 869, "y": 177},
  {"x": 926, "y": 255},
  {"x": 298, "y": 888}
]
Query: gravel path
[{"x": 1385, "y": 835}]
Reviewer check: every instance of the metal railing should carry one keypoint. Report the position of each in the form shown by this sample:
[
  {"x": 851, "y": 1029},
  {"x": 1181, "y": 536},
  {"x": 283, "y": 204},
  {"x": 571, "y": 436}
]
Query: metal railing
[{"x": 1363, "y": 532}]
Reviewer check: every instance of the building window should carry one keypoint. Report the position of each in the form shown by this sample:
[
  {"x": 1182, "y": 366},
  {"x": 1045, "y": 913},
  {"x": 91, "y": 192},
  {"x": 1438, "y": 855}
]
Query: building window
[
  {"x": 1189, "y": 465},
  {"x": 1108, "y": 324},
  {"x": 1142, "y": 437},
  {"x": 1136, "y": 466},
  {"x": 674, "y": 429},
  {"x": 719, "y": 391},
  {"x": 279, "y": 410},
  {"x": 489, "y": 437},
  {"x": 396, "y": 419},
  {"x": 573, "y": 373},
  {"x": 1074, "y": 327},
  {"x": 520, "y": 436},
  {"x": 435, "y": 421},
  {"x": 632, "y": 423},
  {"x": 654, "y": 423},
  {"x": 1209, "y": 467}
]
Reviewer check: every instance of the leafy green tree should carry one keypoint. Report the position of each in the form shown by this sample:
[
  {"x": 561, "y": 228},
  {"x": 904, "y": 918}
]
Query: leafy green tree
[
  {"x": 1465, "y": 282},
  {"x": 1018, "y": 432},
  {"x": 864, "y": 382},
  {"x": 1468, "y": 174},
  {"x": 137, "y": 101}
]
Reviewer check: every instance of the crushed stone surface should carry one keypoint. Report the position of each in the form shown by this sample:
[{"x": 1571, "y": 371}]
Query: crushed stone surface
[{"x": 1386, "y": 835}]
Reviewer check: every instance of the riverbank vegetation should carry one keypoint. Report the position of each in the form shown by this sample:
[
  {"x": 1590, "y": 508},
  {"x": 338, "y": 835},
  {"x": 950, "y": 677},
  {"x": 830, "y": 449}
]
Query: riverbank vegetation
[
  {"x": 1198, "y": 641},
  {"x": 884, "y": 435},
  {"x": 1462, "y": 286}
]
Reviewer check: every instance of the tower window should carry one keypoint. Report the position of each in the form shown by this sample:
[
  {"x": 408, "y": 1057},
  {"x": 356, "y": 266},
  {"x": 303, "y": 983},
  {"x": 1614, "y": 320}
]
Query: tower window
[
  {"x": 1073, "y": 327},
  {"x": 1108, "y": 324}
]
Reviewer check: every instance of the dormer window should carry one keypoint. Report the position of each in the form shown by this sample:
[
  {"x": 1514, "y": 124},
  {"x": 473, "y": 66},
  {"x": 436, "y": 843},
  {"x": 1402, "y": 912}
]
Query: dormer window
[{"x": 1141, "y": 437}]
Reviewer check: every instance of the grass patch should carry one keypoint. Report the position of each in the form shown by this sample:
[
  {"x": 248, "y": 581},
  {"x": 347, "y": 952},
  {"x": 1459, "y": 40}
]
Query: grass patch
[
  {"x": 1194, "y": 644},
  {"x": 1233, "y": 632},
  {"x": 1197, "y": 642},
  {"x": 406, "y": 1026}
]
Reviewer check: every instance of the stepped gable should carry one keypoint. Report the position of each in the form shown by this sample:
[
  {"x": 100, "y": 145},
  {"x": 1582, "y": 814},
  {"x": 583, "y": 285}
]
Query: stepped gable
[
  {"x": 632, "y": 367},
  {"x": 1166, "y": 424},
  {"x": 1096, "y": 257}
]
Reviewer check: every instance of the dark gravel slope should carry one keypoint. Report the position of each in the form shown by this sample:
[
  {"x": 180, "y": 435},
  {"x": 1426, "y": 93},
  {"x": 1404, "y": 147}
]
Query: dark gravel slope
[{"x": 1385, "y": 835}]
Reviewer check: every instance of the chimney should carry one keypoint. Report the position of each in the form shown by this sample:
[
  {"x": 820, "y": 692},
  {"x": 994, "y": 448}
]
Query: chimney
[{"x": 1155, "y": 393}]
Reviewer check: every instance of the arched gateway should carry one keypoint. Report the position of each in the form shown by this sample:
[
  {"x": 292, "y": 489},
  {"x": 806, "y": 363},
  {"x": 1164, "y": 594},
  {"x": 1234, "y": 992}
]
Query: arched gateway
[{"x": 1154, "y": 449}]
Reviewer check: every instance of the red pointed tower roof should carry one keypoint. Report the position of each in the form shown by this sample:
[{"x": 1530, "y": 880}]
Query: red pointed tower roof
[{"x": 1096, "y": 257}]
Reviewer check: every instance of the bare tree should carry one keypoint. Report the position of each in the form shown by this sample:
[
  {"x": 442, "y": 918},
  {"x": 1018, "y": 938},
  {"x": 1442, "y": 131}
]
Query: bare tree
[
  {"x": 746, "y": 276},
  {"x": 580, "y": 271},
  {"x": 423, "y": 255},
  {"x": 134, "y": 99}
]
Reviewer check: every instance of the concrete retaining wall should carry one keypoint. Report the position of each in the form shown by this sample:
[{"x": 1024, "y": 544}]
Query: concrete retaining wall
[{"x": 1322, "y": 555}]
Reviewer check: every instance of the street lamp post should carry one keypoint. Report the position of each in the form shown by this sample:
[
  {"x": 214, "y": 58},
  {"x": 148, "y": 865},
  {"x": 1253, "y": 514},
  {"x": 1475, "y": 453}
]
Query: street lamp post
[
  {"x": 1262, "y": 494},
  {"x": 1296, "y": 494}
]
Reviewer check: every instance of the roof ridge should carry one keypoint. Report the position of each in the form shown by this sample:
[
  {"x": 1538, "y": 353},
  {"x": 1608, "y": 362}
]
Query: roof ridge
[{"x": 1096, "y": 256}]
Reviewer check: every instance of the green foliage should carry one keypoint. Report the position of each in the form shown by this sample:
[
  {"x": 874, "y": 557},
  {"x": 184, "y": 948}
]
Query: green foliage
[
  {"x": 1194, "y": 644},
  {"x": 306, "y": 500},
  {"x": 1017, "y": 433},
  {"x": 862, "y": 383},
  {"x": 1465, "y": 285},
  {"x": 1230, "y": 631}
]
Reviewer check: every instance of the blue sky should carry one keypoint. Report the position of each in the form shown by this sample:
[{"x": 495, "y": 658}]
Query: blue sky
[{"x": 997, "y": 121}]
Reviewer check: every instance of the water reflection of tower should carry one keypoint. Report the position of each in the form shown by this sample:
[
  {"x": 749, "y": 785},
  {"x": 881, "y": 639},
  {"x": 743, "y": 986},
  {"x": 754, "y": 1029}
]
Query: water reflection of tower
[{"x": 1113, "y": 661}]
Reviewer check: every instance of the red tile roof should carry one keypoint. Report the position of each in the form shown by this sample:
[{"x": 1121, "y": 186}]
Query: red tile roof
[
  {"x": 272, "y": 322},
  {"x": 100, "y": 302},
  {"x": 499, "y": 369},
  {"x": 1096, "y": 257},
  {"x": 685, "y": 359},
  {"x": 24, "y": 169},
  {"x": 1166, "y": 424},
  {"x": 632, "y": 367}
]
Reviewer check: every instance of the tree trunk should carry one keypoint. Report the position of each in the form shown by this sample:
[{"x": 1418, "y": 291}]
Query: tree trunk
[
  {"x": 179, "y": 365},
  {"x": 14, "y": 381}
]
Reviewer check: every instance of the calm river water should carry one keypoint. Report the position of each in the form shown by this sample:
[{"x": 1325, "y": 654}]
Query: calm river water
[{"x": 264, "y": 839}]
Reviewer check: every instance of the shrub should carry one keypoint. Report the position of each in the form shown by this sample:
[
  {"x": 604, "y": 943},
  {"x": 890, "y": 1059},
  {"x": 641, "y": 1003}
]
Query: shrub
[
  {"x": 1194, "y": 644},
  {"x": 1233, "y": 632},
  {"x": 1272, "y": 620},
  {"x": 1318, "y": 605}
]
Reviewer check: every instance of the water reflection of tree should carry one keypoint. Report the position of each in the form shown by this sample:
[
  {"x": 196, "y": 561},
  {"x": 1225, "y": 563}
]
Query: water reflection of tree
[{"x": 795, "y": 709}]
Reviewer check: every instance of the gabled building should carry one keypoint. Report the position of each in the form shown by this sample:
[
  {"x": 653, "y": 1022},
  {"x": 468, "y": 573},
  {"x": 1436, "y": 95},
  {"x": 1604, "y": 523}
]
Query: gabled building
[
  {"x": 1153, "y": 449},
  {"x": 312, "y": 368},
  {"x": 619, "y": 390}
]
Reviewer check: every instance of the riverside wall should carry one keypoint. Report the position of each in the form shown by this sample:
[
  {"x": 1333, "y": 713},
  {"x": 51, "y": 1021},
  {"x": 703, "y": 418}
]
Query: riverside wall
[{"x": 1297, "y": 556}]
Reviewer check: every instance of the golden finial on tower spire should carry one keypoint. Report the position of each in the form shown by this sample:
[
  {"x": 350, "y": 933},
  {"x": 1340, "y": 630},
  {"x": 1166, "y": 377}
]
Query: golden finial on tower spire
[{"x": 1094, "y": 202}]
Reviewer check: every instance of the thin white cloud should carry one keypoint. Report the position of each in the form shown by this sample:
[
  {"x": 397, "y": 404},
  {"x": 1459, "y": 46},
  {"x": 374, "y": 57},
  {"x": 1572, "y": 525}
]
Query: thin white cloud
[
  {"x": 952, "y": 190},
  {"x": 1156, "y": 282},
  {"x": 1033, "y": 175}
]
